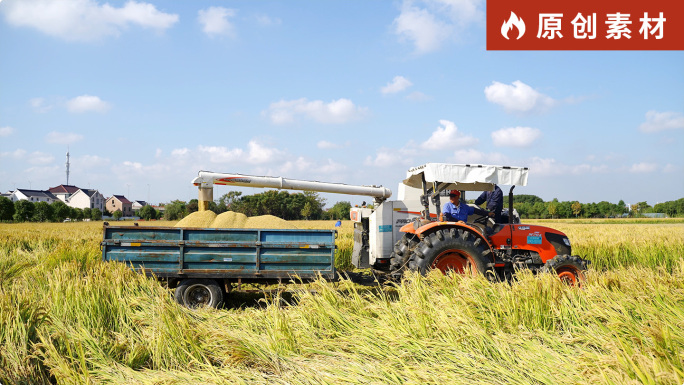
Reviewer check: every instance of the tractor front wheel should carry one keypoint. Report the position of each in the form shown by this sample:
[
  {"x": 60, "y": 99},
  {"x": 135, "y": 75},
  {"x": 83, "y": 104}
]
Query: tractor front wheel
[
  {"x": 454, "y": 250},
  {"x": 571, "y": 269}
]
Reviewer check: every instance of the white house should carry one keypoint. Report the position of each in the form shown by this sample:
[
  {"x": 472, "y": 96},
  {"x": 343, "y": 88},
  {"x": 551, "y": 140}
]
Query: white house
[
  {"x": 63, "y": 192},
  {"x": 87, "y": 198},
  {"x": 137, "y": 205},
  {"x": 32, "y": 196}
]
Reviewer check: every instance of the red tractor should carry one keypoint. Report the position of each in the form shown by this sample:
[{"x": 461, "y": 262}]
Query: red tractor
[{"x": 479, "y": 246}]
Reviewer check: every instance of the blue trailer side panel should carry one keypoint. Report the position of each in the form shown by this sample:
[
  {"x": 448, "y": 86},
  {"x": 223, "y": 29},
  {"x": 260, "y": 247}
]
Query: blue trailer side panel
[{"x": 228, "y": 253}]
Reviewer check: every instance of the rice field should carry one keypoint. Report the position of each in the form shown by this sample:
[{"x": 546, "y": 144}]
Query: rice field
[{"x": 68, "y": 318}]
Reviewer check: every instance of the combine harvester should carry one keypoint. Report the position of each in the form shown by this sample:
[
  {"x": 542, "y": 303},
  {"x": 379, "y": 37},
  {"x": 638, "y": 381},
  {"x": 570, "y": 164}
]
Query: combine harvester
[{"x": 390, "y": 238}]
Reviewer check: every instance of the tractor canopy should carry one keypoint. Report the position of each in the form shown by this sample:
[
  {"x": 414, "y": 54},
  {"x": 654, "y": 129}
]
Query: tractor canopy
[{"x": 465, "y": 177}]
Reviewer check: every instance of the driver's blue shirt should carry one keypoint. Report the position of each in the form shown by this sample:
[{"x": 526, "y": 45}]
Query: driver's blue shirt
[{"x": 453, "y": 213}]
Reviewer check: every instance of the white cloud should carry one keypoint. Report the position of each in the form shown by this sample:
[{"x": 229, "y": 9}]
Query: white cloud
[
  {"x": 398, "y": 84},
  {"x": 260, "y": 154},
  {"x": 179, "y": 152},
  {"x": 336, "y": 112},
  {"x": 40, "y": 158},
  {"x": 39, "y": 105},
  {"x": 387, "y": 157},
  {"x": 88, "y": 162},
  {"x": 301, "y": 164},
  {"x": 549, "y": 166},
  {"x": 643, "y": 167},
  {"x": 86, "y": 103},
  {"x": 16, "y": 154},
  {"x": 669, "y": 168},
  {"x": 662, "y": 121},
  {"x": 85, "y": 20},
  {"x": 325, "y": 145},
  {"x": 266, "y": 21},
  {"x": 215, "y": 154},
  {"x": 470, "y": 156},
  {"x": 429, "y": 24},
  {"x": 448, "y": 137},
  {"x": 63, "y": 137},
  {"x": 418, "y": 96},
  {"x": 6, "y": 131},
  {"x": 515, "y": 136},
  {"x": 517, "y": 97},
  {"x": 215, "y": 21}
]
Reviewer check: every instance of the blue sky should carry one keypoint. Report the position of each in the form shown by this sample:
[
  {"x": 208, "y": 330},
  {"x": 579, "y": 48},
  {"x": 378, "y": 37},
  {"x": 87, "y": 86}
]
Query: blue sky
[{"x": 145, "y": 94}]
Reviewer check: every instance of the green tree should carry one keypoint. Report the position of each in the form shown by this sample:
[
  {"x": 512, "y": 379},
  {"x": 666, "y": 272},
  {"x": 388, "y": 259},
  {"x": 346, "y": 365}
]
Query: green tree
[
  {"x": 148, "y": 212},
  {"x": 340, "y": 210},
  {"x": 61, "y": 210},
  {"x": 42, "y": 212},
  {"x": 87, "y": 213},
  {"x": 553, "y": 208},
  {"x": 228, "y": 199},
  {"x": 192, "y": 206},
  {"x": 307, "y": 210},
  {"x": 576, "y": 208},
  {"x": 117, "y": 215},
  {"x": 96, "y": 214},
  {"x": 525, "y": 198},
  {"x": 23, "y": 211},
  {"x": 77, "y": 213},
  {"x": 6, "y": 209},
  {"x": 174, "y": 210}
]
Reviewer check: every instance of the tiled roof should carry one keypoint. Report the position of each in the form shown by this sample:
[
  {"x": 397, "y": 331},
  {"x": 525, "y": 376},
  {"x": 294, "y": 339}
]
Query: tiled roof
[
  {"x": 121, "y": 198},
  {"x": 64, "y": 189},
  {"x": 37, "y": 193},
  {"x": 89, "y": 192}
]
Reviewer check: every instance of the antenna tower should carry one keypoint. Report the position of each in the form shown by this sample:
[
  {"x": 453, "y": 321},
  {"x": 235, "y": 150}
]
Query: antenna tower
[{"x": 67, "y": 166}]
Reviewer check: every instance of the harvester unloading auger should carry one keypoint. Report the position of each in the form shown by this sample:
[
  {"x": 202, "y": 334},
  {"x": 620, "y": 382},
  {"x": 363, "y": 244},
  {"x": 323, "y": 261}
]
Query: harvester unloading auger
[{"x": 407, "y": 233}]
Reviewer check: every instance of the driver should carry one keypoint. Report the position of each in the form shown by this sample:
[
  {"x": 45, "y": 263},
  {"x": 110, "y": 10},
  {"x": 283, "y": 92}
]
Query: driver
[
  {"x": 494, "y": 200},
  {"x": 455, "y": 210}
]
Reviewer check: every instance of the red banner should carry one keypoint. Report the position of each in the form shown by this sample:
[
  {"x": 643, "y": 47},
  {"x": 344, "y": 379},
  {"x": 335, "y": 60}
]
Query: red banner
[{"x": 585, "y": 25}]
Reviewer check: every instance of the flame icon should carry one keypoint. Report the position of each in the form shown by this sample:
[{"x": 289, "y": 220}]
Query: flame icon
[{"x": 513, "y": 21}]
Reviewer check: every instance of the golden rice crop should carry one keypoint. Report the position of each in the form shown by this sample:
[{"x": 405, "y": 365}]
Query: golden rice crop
[
  {"x": 67, "y": 317},
  {"x": 230, "y": 220},
  {"x": 198, "y": 219}
]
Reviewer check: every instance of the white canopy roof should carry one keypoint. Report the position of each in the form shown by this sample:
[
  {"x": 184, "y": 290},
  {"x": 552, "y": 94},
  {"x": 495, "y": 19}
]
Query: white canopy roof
[{"x": 467, "y": 177}]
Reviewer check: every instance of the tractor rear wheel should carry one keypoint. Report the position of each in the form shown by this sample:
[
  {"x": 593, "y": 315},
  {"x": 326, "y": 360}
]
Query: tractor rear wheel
[
  {"x": 454, "y": 250},
  {"x": 570, "y": 269},
  {"x": 401, "y": 254}
]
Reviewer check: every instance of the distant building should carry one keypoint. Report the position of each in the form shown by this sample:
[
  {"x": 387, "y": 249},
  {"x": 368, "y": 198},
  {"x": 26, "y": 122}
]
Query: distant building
[
  {"x": 137, "y": 205},
  {"x": 34, "y": 196},
  {"x": 63, "y": 192},
  {"x": 119, "y": 202},
  {"x": 87, "y": 198}
]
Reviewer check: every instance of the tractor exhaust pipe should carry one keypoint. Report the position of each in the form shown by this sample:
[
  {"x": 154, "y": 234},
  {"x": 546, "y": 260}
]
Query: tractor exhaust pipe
[{"x": 510, "y": 205}]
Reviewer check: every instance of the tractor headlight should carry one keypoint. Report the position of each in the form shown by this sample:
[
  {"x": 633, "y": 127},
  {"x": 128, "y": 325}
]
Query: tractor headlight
[{"x": 566, "y": 241}]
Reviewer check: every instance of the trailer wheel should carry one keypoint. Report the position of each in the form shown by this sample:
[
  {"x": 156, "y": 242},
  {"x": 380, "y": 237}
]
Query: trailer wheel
[
  {"x": 401, "y": 254},
  {"x": 570, "y": 269},
  {"x": 195, "y": 293},
  {"x": 454, "y": 250}
]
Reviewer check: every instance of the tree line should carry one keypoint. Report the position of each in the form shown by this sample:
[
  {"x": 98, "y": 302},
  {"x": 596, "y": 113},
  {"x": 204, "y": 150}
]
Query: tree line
[
  {"x": 310, "y": 206},
  {"x": 58, "y": 211},
  {"x": 306, "y": 205},
  {"x": 532, "y": 206}
]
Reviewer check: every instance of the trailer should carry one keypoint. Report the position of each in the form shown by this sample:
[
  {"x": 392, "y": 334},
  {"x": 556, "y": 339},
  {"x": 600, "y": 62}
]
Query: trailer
[{"x": 203, "y": 264}]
